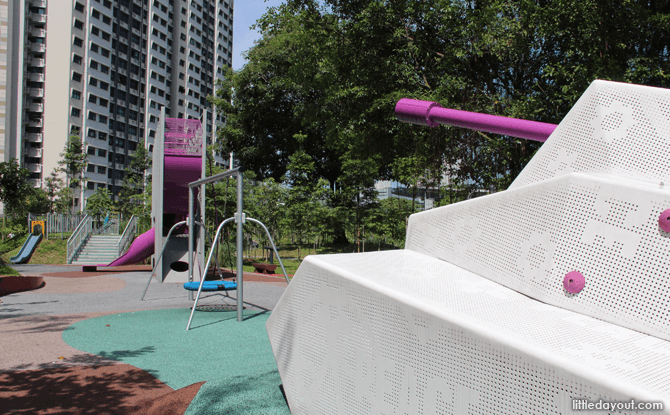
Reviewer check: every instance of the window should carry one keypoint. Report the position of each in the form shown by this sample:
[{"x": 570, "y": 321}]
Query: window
[
  {"x": 102, "y": 136},
  {"x": 94, "y": 64},
  {"x": 90, "y": 168},
  {"x": 106, "y": 19},
  {"x": 92, "y": 98},
  {"x": 104, "y": 86},
  {"x": 95, "y": 14},
  {"x": 102, "y": 118},
  {"x": 95, "y": 30},
  {"x": 78, "y": 42},
  {"x": 78, "y": 24},
  {"x": 75, "y": 112},
  {"x": 94, "y": 47},
  {"x": 102, "y": 153},
  {"x": 92, "y": 133},
  {"x": 104, "y": 68},
  {"x": 102, "y": 185},
  {"x": 76, "y": 94},
  {"x": 90, "y": 185},
  {"x": 93, "y": 82},
  {"x": 105, "y": 36},
  {"x": 91, "y": 151},
  {"x": 132, "y": 146},
  {"x": 79, "y": 7},
  {"x": 102, "y": 170},
  {"x": 92, "y": 115},
  {"x": 103, "y": 102},
  {"x": 104, "y": 52}
]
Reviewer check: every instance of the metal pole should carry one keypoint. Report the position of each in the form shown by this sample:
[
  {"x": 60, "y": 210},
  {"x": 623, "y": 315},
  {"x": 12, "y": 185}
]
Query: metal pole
[
  {"x": 273, "y": 246},
  {"x": 202, "y": 280},
  {"x": 191, "y": 219},
  {"x": 161, "y": 255},
  {"x": 240, "y": 248}
]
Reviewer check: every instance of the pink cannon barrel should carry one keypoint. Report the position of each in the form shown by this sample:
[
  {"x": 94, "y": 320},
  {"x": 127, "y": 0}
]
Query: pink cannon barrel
[{"x": 432, "y": 114}]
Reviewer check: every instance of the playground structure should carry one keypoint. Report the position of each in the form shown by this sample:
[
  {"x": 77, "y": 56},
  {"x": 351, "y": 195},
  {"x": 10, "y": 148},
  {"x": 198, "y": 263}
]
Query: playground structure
[
  {"x": 28, "y": 249},
  {"x": 179, "y": 233},
  {"x": 522, "y": 301}
]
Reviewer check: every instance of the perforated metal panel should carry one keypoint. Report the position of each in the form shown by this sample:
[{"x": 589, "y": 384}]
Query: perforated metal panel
[
  {"x": 401, "y": 333},
  {"x": 513, "y": 303},
  {"x": 529, "y": 238},
  {"x": 614, "y": 128},
  {"x": 183, "y": 137}
]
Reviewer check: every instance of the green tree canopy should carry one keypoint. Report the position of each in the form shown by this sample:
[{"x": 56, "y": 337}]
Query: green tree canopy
[
  {"x": 335, "y": 69},
  {"x": 14, "y": 187}
]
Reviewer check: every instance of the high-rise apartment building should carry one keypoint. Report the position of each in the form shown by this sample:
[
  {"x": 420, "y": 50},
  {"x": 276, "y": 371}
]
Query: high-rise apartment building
[{"x": 103, "y": 69}]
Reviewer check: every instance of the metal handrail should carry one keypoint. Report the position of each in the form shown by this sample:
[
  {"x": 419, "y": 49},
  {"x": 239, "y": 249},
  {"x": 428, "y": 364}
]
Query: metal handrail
[
  {"x": 112, "y": 228},
  {"x": 79, "y": 236},
  {"x": 127, "y": 235}
]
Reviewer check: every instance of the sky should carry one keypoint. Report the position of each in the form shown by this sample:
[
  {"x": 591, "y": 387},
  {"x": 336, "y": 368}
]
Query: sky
[{"x": 245, "y": 14}]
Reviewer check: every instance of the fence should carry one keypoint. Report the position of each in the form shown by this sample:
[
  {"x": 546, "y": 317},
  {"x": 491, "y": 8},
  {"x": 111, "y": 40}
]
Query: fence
[{"x": 64, "y": 223}]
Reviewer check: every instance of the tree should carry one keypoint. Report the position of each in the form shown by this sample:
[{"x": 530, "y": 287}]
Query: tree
[
  {"x": 73, "y": 164},
  {"x": 306, "y": 196},
  {"x": 99, "y": 203},
  {"x": 14, "y": 188},
  {"x": 335, "y": 70},
  {"x": 135, "y": 181},
  {"x": 53, "y": 185}
]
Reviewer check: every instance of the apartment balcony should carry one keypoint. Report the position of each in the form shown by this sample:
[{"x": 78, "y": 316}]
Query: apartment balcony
[
  {"x": 119, "y": 133},
  {"x": 34, "y": 137},
  {"x": 36, "y": 183},
  {"x": 36, "y": 92},
  {"x": 134, "y": 76},
  {"x": 121, "y": 87},
  {"x": 36, "y": 77},
  {"x": 122, "y": 71},
  {"x": 38, "y": 48},
  {"x": 38, "y": 3},
  {"x": 38, "y": 18},
  {"x": 34, "y": 123},
  {"x": 133, "y": 122},
  {"x": 134, "y": 92},
  {"x": 34, "y": 168},
  {"x": 133, "y": 107},
  {"x": 120, "y": 166},
  {"x": 120, "y": 118},
  {"x": 36, "y": 107},
  {"x": 38, "y": 62},
  {"x": 38, "y": 32},
  {"x": 123, "y": 55},
  {"x": 124, "y": 9},
  {"x": 123, "y": 24},
  {"x": 33, "y": 152},
  {"x": 137, "y": 32}
]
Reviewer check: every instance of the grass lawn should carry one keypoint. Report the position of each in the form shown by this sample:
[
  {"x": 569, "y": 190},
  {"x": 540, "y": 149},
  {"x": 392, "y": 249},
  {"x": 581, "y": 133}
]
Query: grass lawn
[{"x": 7, "y": 271}]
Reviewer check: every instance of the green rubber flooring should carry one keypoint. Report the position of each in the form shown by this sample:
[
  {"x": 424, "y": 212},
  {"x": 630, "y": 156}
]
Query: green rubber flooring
[{"x": 234, "y": 358}]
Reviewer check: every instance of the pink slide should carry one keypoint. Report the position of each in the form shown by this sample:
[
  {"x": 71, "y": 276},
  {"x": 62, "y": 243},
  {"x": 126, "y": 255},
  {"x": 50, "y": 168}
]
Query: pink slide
[{"x": 141, "y": 248}]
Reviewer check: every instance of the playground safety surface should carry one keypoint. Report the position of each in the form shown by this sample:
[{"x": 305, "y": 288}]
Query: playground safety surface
[{"x": 85, "y": 343}]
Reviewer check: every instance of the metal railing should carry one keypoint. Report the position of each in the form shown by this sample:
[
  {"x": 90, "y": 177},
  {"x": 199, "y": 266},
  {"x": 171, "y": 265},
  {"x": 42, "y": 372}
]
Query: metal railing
[
  {"x": 109, "y": 228},
  {"x": 79, "y": 236},
  {"x": 128, "y": 235}
]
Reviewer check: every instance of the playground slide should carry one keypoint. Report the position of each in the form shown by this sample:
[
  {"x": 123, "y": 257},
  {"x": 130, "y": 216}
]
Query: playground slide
[
  {"x": 141, "y": 248},
  {"x": 27, "y": 249}
]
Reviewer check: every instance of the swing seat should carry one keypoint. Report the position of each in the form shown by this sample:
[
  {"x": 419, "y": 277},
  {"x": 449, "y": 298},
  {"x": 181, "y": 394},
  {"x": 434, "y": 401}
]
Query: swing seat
[{"x": 211, "y": 286}]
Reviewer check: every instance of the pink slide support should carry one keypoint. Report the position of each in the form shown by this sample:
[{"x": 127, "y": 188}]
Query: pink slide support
[{"x": 141, "y": 248}]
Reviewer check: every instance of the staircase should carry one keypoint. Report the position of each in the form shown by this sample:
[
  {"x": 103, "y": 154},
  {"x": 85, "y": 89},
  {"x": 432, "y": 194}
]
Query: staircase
[{"x": 100, "y": 249}]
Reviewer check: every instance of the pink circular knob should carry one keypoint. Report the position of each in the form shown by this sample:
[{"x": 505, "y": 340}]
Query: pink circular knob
[
  {"x": 664, "y": 220},
  {"x": 573, "y": 282}
]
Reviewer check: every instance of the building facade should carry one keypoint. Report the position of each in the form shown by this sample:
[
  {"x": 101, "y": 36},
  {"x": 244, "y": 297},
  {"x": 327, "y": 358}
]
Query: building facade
[{"x": 103, "y": 69}]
